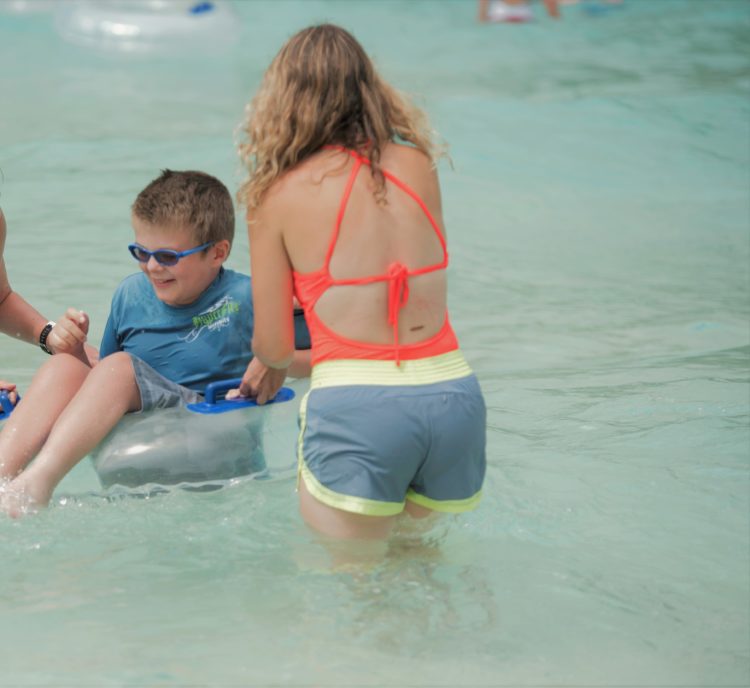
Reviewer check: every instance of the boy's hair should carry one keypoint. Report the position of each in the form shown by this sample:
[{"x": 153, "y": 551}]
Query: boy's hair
[{"x": 193, "y": 200}]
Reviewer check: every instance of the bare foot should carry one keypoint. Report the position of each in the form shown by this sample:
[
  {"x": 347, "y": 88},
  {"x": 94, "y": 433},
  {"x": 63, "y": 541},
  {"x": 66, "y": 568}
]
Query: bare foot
[{"x": 17, "y": 498}]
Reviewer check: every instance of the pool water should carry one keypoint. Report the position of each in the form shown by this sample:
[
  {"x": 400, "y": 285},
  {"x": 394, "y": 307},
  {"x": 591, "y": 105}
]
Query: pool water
[{"x": 598, "y": 215}]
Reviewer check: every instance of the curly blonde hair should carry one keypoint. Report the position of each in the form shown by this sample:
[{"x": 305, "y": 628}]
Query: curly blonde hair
[{"x": 320, "y": 89}]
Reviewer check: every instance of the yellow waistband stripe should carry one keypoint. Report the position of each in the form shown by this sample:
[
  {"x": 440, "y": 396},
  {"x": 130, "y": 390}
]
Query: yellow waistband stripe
[{"x": 423, "y": 371}]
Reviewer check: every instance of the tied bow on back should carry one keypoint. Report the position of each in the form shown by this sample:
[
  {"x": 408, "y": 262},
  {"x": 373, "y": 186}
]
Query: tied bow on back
[{"x": 398, "y": 295}]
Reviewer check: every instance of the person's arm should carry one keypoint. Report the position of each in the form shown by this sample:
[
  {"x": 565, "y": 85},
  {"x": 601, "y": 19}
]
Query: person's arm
[
  {"x": 20, "y": 319},
  {"x": 257, "y": 372},
  {"x": 273, "y": 329},
  {"x": 17, "y": 317},
  {"x": 300, "y": 366},
  {"x": 69, "y": 336},
  {"x": 259, "y": 382},
  {"x": 8, "y": 306},
  {"x": 262, "y": 382}
]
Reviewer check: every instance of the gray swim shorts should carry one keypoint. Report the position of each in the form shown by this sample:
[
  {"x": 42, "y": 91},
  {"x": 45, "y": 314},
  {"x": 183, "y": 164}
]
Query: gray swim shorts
[
  {"x": 156, "y": 391},
  {"x": 374, "y": 435}
]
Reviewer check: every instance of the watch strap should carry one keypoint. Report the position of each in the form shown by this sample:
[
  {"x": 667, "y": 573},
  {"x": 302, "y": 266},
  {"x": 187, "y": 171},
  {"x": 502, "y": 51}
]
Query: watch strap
[{"x": 43, "y": 337}]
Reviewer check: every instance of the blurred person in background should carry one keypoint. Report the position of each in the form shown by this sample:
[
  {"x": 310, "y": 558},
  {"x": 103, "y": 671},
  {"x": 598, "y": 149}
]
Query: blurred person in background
[{"x": 513, "y": 11}]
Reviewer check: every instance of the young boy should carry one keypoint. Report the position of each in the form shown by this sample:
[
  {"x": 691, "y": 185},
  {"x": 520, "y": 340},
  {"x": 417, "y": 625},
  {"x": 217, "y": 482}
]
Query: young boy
[
  {"x": 20, "y": 319},
  {"x": 183, "y": 322}
]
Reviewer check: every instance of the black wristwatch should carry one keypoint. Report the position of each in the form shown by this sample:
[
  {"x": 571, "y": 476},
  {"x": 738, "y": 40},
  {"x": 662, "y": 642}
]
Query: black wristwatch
[{"x": 43, "y": 337}]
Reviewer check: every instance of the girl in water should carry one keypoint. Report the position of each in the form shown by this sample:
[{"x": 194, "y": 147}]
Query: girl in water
[{"x": 344, "y": 213}]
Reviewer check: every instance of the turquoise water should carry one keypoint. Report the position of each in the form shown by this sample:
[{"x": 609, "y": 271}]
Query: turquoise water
[{"x": 598, "y": 217}]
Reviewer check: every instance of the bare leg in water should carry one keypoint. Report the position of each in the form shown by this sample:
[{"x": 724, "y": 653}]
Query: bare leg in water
[
  {"x": 108, "y": 392},
  {"x": 355, "y": 539},
  {"x": 56, "y": 382}
]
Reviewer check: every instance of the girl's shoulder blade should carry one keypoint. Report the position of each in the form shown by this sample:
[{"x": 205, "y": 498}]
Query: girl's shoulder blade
[{"x": 308, "y": 175}]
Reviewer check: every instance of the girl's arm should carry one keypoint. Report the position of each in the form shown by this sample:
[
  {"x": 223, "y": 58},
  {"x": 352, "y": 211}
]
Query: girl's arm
[
  {"x": 271, "y": 273},
  {"x": 300, "y": 366},
  {"x": 273, "y": 332}
]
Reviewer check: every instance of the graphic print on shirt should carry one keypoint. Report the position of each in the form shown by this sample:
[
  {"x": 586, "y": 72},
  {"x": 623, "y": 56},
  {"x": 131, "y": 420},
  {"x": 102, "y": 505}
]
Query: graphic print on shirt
[{"x": 215, "y": 317}]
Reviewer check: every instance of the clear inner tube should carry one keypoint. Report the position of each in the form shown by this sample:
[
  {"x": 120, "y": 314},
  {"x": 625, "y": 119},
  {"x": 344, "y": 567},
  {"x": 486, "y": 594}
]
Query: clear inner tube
[
  {"x": 177, "y": 446},
  {"x": 27, "y": 6},
  {"x": 180, "y": 447},
  {"x": 148, "y": 26}
]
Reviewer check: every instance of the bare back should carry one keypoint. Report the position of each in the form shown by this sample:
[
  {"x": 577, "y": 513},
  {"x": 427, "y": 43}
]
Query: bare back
[{"x": 372, "y": 237}]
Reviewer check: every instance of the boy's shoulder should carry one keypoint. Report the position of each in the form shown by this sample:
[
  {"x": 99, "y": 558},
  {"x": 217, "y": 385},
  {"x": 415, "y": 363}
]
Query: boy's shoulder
[
  {"x": 235, "y": 276},
  {"x": 229, "y": 284},
  {"x": 230, "y": 280}
]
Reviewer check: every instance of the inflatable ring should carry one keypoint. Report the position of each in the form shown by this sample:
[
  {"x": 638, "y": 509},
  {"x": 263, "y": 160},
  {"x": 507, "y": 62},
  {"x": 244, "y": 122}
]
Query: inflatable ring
[
  {"x": 27, "y": 6},
  {"x": 210, "y": 442},
  {"x": 146, "y": 26}
]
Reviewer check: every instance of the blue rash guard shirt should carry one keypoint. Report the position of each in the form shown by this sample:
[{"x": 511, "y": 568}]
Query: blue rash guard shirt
[{"x": 191, "y": 345}]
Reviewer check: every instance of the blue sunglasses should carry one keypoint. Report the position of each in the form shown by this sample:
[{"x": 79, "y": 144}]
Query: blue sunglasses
[{"x": 163, "y": 256}]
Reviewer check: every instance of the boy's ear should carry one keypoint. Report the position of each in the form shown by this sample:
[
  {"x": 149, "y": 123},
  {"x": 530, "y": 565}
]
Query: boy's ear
[{"x": 220, "y": 250}]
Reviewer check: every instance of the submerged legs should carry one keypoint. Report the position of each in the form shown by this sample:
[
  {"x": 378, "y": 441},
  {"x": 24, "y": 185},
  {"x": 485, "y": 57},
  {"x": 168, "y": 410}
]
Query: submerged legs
[
  {"x": 108, "y": 392},
  {"x": 54, "y": 385}
]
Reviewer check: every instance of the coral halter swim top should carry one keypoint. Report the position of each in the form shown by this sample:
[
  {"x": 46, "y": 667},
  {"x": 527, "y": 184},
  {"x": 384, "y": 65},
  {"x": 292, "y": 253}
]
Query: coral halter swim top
[{"x": 309, "y": 287}]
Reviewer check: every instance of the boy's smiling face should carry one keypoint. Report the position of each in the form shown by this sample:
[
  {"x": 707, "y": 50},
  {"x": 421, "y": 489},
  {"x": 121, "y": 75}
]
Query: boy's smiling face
[{"x": 183, "y": 283}]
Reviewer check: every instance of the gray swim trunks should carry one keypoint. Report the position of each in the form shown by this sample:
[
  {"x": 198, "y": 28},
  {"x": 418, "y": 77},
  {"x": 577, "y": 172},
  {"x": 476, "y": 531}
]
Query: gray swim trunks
[
  {"x": 374, "y": 435},
  {"x": 156, "y": 391}
]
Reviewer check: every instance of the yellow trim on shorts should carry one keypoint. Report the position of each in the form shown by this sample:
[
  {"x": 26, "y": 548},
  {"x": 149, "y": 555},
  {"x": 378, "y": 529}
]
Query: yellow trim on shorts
[
  {"x": 422, "y": 371},
  {"x": 342, "y": 372},
  {"x": 450, "y": 506},
  {"x": 357, "y": 505},
  {"x": 302, "y": 425}
]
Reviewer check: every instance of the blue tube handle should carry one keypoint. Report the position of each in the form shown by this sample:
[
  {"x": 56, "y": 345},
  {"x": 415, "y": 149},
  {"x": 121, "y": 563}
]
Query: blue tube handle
[
  {"x": 214, "y": 388},
  {"x": 6, "y": 405},
  {"x": 214, "y": 405}
]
